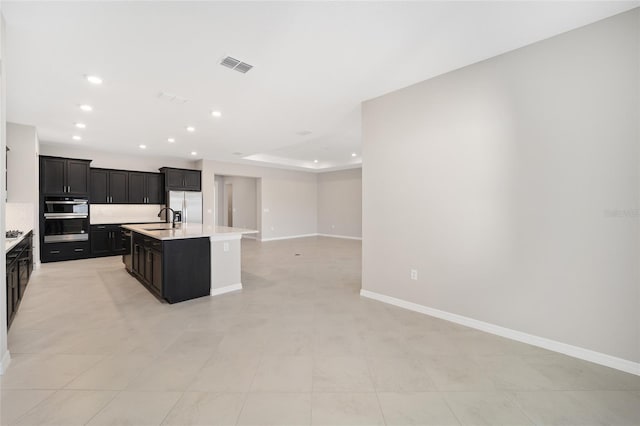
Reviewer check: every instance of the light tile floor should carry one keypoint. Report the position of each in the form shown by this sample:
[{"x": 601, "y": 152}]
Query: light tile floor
[{"x": 297, "y": 346}]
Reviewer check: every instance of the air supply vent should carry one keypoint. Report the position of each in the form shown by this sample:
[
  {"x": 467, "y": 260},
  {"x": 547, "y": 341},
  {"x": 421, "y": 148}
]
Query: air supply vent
[{"x": 235, "y": 64}]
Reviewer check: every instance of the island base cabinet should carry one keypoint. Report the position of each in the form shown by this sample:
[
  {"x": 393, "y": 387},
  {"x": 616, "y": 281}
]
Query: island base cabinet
[
  {"x": 186, "y": 266},
  {"x": 175, "y": 270}
]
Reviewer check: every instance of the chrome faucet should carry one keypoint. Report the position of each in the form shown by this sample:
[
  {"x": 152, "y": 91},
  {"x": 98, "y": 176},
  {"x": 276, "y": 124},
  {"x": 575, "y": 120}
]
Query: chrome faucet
[{"x": 173, "y": 215}]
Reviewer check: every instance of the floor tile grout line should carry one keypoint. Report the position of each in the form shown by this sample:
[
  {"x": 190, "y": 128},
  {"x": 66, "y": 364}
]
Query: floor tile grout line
[
  {"x": 451, "y": 410},
  {"x": 246, "y": 396},
  {"x": 103, "y": 407},
  {"x": 172, "y": 408}
]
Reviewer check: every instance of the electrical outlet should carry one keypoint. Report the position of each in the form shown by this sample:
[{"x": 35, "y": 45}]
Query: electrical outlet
[
  {"x": 273, "y": 228},
  {"x": 414, "y": 274},
  {"x": 225, "y": 246},
  {"x": 333, "y": 227}
]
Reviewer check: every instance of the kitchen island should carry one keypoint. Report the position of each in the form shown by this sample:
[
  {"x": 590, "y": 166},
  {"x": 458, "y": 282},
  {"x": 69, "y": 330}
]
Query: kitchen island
[{"x": 186, "y": 262}]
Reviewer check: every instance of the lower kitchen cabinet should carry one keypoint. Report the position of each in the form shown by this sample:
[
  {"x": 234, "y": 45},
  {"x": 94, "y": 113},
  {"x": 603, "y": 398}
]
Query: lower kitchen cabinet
[
  {"x": 174, "y": 270},
  {"x": 19, "y": 268},
  {"x": 54, "y": 252},
  {"x": 106, "y": 240}
]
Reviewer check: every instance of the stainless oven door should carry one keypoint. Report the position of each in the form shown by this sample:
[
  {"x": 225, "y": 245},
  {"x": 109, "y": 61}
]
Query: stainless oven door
[{"x": 57, "y": 229}]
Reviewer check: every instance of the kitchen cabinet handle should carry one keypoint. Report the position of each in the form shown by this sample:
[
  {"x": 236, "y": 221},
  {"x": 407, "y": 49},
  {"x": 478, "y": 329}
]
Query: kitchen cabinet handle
[
  {"x": 54, "y": 251},
  {"x": 69, "y": 188},
  {"x": 101, "y": 227},
  {"x": 78, "y": 250}
]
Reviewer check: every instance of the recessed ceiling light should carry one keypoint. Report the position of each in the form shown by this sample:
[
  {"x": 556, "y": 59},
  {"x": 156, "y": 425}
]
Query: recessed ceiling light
[
  {"x": 94, "y": 79},
  {"x": 80, "y": 125},
  {"x": 87, "y": 108},
  {"x": 216, "y": 114},
  {"x": 142, "y": 146},
  {"x": 76, "y": 138},
  {"x": 353, "y": 154},
  {"x": 315, "y": 161},
  {"x": 191, "y": 129},
  {"x": 194, "y": 153},
  {"x": 171, "y": 140}
]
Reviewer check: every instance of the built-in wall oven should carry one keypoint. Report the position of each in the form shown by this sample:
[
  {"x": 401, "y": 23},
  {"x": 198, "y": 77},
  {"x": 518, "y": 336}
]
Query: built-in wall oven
[{"x": 66, "y": 219}]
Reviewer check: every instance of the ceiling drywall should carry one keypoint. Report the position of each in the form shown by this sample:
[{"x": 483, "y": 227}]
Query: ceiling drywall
[{"x": 314, "y": 63}]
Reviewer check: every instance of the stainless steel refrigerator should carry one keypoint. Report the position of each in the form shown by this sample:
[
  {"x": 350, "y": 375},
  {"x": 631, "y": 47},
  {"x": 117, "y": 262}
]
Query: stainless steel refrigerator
[{"x": 187, "y": 202}]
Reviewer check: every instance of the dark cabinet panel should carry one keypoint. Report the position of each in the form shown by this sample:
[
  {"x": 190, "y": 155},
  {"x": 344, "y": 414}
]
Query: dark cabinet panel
[
  {"x": 137, "y": 191},
  {"x": 118, "y": 186},
  {"x": 145, "y": 188},
  {"x": 192, "y": 180},
  {"x": 19, "y": 267},
  {"x": 182, "y": 179},
  {"x": 175, "y": 270},
  {"x": 52, "y": 175},
  {"x": 77, "y": 177},
  {"x": 100, "y": 240},
  {"x": 174, "y": 179},
  {"x": 54, "y": 252},
  {"x": 99, "y": 186},
  {"x": 61, "y": 176},
  {"x": 156, "y": 270},
  {"x": 155, "y": 188},
  {"x": 109, "y": 186},
  {"x": 106, "y": 240}
]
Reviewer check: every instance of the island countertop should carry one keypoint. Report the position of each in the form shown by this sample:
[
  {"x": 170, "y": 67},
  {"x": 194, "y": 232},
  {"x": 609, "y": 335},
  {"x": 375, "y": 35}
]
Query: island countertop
[{"x": 164, "y": 231}]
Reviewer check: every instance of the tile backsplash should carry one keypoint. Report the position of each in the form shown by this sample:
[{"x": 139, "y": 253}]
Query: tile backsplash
[
  {"x": 20, "y": 216},
  {"x": 124, "y": 213}
]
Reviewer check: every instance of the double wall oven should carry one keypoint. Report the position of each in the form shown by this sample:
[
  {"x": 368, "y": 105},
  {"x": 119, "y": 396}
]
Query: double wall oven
[{"x": 66, "y": 219}]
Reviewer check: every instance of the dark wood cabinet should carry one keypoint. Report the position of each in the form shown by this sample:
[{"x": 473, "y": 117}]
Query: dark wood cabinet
[
  {"x": 155, "y": 188},
  {"x": 64, "y": 176},
  {"x": 19, "y": 268},
  {"x": 54, "y": 252},
  {"x": 109, "y": 186},
  {"x": 146, "y": 188},
  {"x": 106, "y": 240},
  {"x": 175, "y": 270},
  {"x": 182, "y": 179}
]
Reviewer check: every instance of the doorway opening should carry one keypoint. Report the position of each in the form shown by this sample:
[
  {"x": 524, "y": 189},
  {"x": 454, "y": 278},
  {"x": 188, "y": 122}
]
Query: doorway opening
[{"x": 237, "y": 202}]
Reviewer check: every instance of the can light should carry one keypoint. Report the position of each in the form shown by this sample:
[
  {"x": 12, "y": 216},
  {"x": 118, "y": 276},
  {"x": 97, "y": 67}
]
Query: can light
[
  {"x": 191, "y": 129},
  {"x": 94, "y": 79},
  {"x": 194, "y": 153},
  {"x": 76, "y": 138},
  {"x": 80, "y": 125},
  {"x": 86, "y": 108},
  {"x": 171, "y": 140},
  {"x": 216, "y": 114},
  {"x": 142, "y": 146}
]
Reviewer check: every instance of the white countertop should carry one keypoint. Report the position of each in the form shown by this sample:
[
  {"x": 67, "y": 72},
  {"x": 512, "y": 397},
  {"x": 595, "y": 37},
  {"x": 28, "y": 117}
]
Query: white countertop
[
  {"x": 122, "y": 220},
  {"x": 187, "y": 230},
  {"x": 12, "y": 242}
]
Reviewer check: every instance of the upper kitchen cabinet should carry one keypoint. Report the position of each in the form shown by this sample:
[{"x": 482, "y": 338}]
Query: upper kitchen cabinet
[
  {"x": 181, "y": 179},
  {"x": 109, "y": 186},
  {"x": 146, "y": 188},
  {"x": 64, "y": 176}
]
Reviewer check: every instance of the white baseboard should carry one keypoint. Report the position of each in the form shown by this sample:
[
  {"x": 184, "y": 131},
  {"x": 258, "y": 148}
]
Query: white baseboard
[
  {"x": 289, "y": 237},
  {"x": 226, "y": 289},
  {"x": 552, "y": 345},
  {"x": 346, "y": 237},
  {"x": 4, "y": 362}
]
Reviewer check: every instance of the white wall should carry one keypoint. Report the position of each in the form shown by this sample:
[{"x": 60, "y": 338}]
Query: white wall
[
  {"x": 244, "y": 201},
  {"x": 4, "y": 353},
  {"x": 340, "y": 203},
  {"x": 512, "y": 185},
  {"x": 287, "y": 200},
  {"x": 22, "y": 175},
  {"x": 110, "y": 160}
]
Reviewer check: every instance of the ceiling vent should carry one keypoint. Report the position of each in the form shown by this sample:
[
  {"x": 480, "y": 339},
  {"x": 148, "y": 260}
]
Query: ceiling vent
[
  {"x": 165, "y": 96},
  {"x": 235, "y": 64}
]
